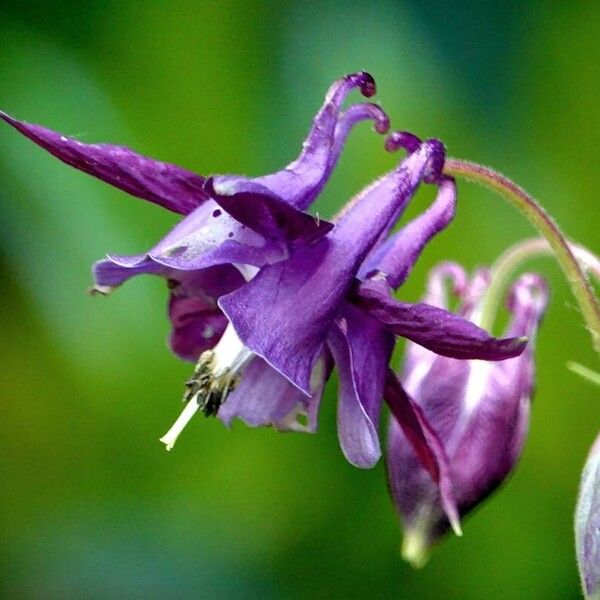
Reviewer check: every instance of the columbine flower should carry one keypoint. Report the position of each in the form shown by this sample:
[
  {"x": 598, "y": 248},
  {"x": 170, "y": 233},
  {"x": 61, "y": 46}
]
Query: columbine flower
[
  {"x": 587, "y": 525},
  {"x": 232, "y": 226},
  {"x": 480, "y": 411},
  {"x": 299, "y": 313}
]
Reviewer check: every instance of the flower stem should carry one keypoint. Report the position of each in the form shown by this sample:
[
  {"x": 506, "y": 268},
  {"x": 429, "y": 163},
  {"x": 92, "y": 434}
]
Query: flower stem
[
  {"x": 508, "y": 262},
  {"x": 526, "y": 204}
]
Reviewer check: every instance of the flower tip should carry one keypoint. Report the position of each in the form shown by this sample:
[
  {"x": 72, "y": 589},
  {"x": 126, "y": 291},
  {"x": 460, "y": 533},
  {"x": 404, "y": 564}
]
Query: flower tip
[
  {"x": 366, "y": 83},
  {"x": 455, "y": 524},
  {"x": 521, "y": 342},
  {"x": 382, "y": 123},
  {"x": 415, "y": 549},
  {"x": 169, "y": 441}
]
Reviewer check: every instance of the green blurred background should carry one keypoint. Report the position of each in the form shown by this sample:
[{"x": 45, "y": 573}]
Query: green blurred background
[{"x": 91, "y": 504}]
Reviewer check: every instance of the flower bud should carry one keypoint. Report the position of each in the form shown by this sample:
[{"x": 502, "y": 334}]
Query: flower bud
[
  {"x": 587, "y": 525},
  {"x": 479, "y": 410}
]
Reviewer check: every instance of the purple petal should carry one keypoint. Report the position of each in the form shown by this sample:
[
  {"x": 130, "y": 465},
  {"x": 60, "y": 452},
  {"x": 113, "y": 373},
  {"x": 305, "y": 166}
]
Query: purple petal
[
  {"x": 197, "y": 326},
  {"x": 263, "y": 397},
  {"x": 213, "y": 281},
  {"x": 361, "y": 349},
  {"x": 434, "y": 328},
  {"x": 587, "y": 524},
  {"x": 396, "y": 257},
  {"x": 254, "y": 206},
  {"x": 302, "y": 180},
  {"x": 425, "y": 444},
  {"x": 168, "y": 185},
  {"x": 349, "y": 119},
  {"x": 209, "y": 236},
  {"x": 110, "y": 272},
  {"x": 285, "y": 312}
]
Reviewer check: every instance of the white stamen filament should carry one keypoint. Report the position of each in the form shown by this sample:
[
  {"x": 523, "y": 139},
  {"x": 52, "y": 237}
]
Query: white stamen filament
[
  {"x": 183, "y": 419},
  {"x": 221, "y": 365}
]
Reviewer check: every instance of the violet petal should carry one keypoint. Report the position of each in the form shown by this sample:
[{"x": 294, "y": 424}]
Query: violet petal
[
  {"x": 197, "y": 326},
  {"x": 361, "y": 349},
  {"x": 264, "y": 397},
  {"x": 168, "y": 185},
  {"x": 434, "y": 328},
  {"x": 254, "y": 206}
]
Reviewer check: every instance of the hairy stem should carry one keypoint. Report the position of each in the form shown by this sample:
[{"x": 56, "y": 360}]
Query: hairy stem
[
  {"x": 501, "y": 272},
  {"x": 526, "y": 204}
]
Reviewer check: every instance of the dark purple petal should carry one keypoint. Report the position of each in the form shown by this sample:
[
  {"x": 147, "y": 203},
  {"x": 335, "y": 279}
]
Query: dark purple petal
[
  {"x": 264, "y": 397},
  {"x": 285, "y": 312},
  {"x": 254, "y": 206},
  {"x": 587, "y": 525},
  {"x": 425, "y": 443},
  {"x": 361, "y": 349},
  {"x": 396, "y": 257},
  {"x": 197, "y": 321},
  {"x": 434, "y": 328},
  {"x": 172, "y": 187},
  {"x": 197, "y": 326}
]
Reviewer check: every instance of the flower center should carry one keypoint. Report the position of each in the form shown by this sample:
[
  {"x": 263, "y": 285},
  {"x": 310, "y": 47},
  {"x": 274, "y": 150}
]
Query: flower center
[{"x": 214, "y": 377}]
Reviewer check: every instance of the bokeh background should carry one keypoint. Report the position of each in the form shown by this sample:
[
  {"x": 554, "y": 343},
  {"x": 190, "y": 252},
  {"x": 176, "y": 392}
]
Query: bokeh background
[{"x": 91, "y": 504}]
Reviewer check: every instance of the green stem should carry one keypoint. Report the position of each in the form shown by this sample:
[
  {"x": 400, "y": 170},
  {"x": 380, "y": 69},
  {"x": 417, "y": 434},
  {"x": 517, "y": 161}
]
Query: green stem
[
  {"x": 508, "y": 262},
  {"x": 583, "y": 291}
]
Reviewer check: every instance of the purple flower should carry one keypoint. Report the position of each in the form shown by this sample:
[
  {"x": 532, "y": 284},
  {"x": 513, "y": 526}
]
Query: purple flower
[
  {"x": 331, "y": 301},
  {"x": 269, "y": 298},
  {"x": 479, "y": 410},
  {"x": 587, "y": 525},
  {"x": 230, "y": 221}
]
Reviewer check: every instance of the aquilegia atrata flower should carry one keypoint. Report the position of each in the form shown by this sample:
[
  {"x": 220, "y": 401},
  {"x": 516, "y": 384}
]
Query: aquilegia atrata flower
[
  {"x": 587, "y": 525},
  {"x": 480, "y": 411}
]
